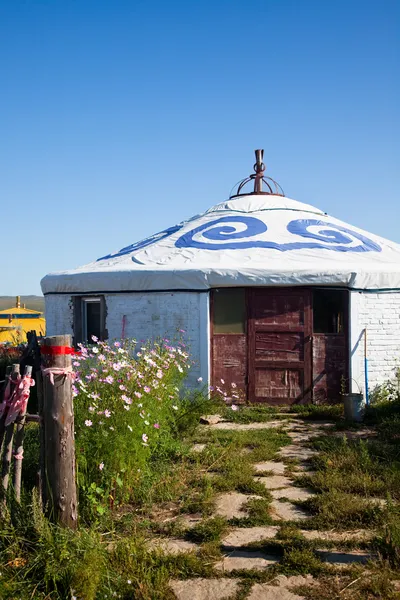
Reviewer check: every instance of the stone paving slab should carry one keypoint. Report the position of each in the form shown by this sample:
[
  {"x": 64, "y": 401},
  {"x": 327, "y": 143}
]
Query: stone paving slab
[
  {"x": 211, "y": 419},
  {"x": 277, "y": 468},
  {"x": 204, "y": 589},
  {"x": 300, "y": 437},
  {"x": 304, "y": 471},
  {"x": 344, "y": 559},
  {"x": 293, "y": 493},
  {"x": 189, "y": 521},
  {"x": 361, "y": 535},
  {"x": 358, "y": 434},
  {"x": 293, "y": 580},
  {"x": 198, "y": 447},
  {"x": 246, "y": 559},
  {"x": 264, "y": 591},
  {"x": 241, "y": 536},
  {"x": 295, "y": 451},
  {"x": 285, "y": 511},
  {"x": 244, "y": 426},
  {"x": 230, "y": 505},
  {"x": 274, "y": 482},
  {"x": 172, "y": 546}
]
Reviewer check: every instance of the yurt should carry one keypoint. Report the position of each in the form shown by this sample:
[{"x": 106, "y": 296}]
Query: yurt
[{"x": 273, "y": 295}]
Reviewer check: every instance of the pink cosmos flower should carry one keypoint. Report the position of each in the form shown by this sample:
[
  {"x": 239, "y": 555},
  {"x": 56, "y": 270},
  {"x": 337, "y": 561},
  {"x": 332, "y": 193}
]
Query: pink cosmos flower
[
  {"x": 156, "y": 426},
  {"x": 107, "y": 414},
  {"x": 147, "y": 389},
  {"x": 95, "y": 350},
  {"x": 88, "y": 423},
  {"x": 126, "y": 399},
  {"x": 94, "y": 338},
  {"x": 117, "y": 344},
  {"x": 109, "y": 379},
  {"x": 91, "y": 409},
  {"x": 101, "y": 466},
  {"x": 122, "y": 387},
  {"x": 138, "y": 394},
  {"x": 101, "y": 358},
  {"x": 159, "y": 374},
  {"x": 76, "y": 363},
  {"x": 145, "y": 438}
]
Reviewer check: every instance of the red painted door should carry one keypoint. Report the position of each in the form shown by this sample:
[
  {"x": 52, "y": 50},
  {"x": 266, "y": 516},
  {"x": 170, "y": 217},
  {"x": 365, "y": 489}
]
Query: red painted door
[{"x": 279, "y": 345}]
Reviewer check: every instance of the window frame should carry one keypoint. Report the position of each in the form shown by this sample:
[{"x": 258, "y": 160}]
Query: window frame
[
  {"x": 214, "y": 325},
  {"x": 80, "y": 317}
]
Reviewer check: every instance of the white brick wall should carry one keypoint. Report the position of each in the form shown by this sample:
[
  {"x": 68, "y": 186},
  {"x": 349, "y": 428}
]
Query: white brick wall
[
  {"x": 379, "y": 313},
  {"x": 151, "y": 315},
  {"x": 59, "y": 315},
  {"x": 148, "y": 316}
]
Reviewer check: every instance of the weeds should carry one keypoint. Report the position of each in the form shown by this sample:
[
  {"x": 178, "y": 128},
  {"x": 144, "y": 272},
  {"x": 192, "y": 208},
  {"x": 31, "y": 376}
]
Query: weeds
[
  {"x": 210, "y": 530},
  {"x": 336, "y": 510}
]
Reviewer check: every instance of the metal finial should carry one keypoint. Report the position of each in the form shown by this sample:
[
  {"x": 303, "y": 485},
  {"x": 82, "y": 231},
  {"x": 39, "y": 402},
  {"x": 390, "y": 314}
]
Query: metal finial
[
  {"x": 259, "y": 169},
  {"x": 258, "y": 176}
]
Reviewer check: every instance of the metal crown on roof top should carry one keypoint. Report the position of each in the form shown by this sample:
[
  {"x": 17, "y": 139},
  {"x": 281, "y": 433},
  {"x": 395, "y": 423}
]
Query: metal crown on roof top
[{"x": 258, "y": 177}]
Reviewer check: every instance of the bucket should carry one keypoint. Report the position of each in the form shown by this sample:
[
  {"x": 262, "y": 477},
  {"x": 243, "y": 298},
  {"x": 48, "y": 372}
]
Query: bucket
[{"x": 354, "y": 407}]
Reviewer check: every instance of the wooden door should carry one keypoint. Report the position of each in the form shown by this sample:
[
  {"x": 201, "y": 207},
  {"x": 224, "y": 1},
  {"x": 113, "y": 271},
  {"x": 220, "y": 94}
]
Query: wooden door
[{"x": 279, "y": 343}]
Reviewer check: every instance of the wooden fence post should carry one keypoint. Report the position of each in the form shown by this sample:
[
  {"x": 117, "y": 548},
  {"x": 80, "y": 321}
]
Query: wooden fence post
[
  {"x": 19, "y": 446},
  {"x": 3, "y": 418},
  {"x": 58, "y": 422},
  {"x": 8, "y": 444}
]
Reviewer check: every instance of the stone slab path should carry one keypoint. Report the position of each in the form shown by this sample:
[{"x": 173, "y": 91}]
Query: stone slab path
[
  {"x": 231, "y": 505},
  {"x": 276, "y": 468},
  {"x": 226, "y": 426},
  {"x": 237, "y": 544},
  {"x": 245, "y": 559},
  {"x": 204, "y": 589},
  {"x": 242, "y": 536}
]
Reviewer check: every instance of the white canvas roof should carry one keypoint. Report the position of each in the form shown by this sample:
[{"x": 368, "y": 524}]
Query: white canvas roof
[{"x": 253, "y": 240}]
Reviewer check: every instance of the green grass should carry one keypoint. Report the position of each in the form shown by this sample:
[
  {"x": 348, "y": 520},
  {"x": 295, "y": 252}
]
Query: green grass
[
  {"x": 227, "y": 445},
  {"x": 366, "y": 468},
  {"x": 250, "y": 414},
  {"x": 332, "y": 412},
  {"x": 40, "y": 561},
  {"x": 337, "y": 510},
  {"x": 209, "y": 530},
  {"x": 357, "y": 585}
]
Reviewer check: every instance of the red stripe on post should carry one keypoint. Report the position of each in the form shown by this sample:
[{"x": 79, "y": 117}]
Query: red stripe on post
[{"x": 57, "y": 350}]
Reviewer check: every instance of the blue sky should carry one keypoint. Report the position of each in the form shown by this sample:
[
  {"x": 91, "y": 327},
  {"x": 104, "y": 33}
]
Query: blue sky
[{"x": 120, "y": 118}]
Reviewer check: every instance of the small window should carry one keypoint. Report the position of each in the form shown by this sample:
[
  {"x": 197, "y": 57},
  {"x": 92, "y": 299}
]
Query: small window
[
  {"x": 329, "y": 310},
  {"x": 89, "y": 318},
  {"x": 229, "y": 310}
]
